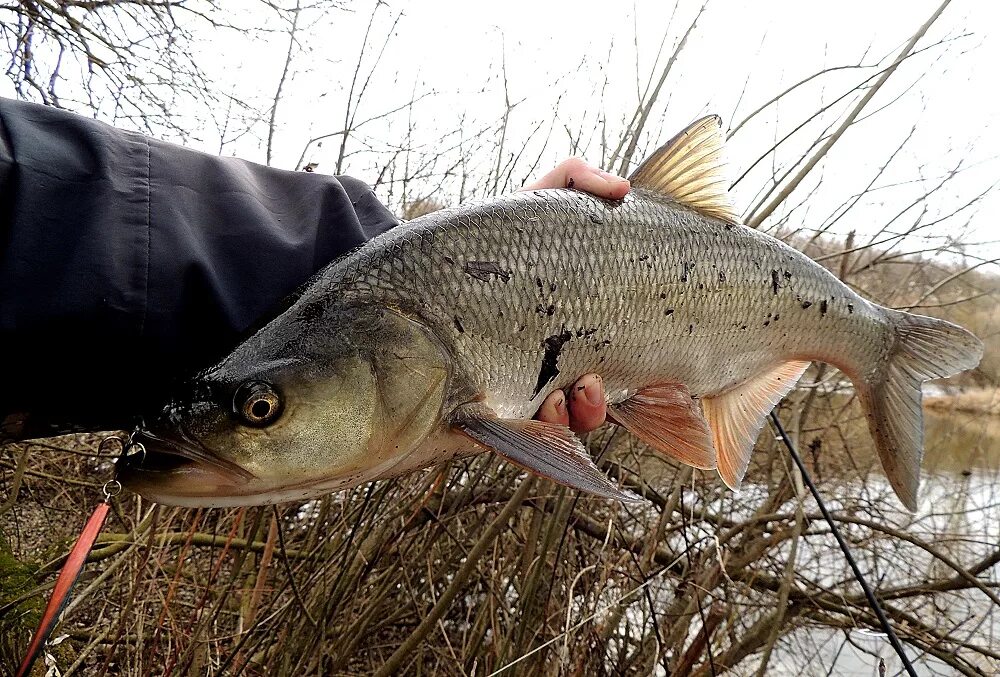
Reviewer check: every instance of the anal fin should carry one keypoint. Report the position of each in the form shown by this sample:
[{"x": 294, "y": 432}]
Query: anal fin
[
  {"x": 737, "y": 416},
  {"x": 546, "y": 449},
  {"x": 668, "y": 419}
]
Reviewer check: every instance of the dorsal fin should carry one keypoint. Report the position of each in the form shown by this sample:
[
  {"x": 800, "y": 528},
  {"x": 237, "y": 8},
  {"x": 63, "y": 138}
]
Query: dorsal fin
[
  {"x": 737, "y": 415},
  {"x": 690, "y": 169}
]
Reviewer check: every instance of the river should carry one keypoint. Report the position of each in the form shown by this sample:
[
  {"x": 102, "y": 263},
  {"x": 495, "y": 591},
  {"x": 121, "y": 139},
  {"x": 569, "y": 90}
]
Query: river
[{"x": 960, "y": 513}]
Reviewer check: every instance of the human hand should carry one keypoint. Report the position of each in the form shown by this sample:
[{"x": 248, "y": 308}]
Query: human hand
[
  {"x": 576, "y": 173},
  {"x": 586, "y": 408}
]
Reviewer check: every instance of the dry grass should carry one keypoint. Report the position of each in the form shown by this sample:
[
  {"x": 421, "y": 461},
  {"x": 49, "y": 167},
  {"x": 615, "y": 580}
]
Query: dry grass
[{"x": 472, "y": 568}]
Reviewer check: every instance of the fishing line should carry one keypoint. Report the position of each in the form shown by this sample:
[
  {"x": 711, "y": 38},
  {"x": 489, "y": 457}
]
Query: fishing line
[{"x": 872, "y": 602}]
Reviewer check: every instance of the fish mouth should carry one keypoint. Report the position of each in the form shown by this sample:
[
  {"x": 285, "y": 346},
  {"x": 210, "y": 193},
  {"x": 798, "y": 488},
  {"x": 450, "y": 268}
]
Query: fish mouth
[
  {"x": 177, "y": 470},
  {"x": 159, "y": 449},
  {"x": 181, "y": 471}
]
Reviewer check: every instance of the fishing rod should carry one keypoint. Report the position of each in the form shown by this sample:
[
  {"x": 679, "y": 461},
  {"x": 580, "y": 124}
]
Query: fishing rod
[{"x": 872, "y": 601}]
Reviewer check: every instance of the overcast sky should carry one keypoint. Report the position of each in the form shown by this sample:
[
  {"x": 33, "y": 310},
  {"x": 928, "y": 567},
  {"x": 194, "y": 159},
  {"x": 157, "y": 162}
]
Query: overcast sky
[
  {"x": 576, "y": 71},
  {"x": 578, "y": 68}
]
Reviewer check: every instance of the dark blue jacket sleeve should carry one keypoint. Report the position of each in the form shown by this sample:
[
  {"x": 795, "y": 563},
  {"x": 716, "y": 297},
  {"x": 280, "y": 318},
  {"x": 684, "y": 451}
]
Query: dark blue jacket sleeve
[{"x": 126, "y": 262}]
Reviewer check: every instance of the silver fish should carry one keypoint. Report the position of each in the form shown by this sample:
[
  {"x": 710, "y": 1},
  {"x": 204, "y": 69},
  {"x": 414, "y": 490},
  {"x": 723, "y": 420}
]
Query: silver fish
[{"x": 442, "y": 337}]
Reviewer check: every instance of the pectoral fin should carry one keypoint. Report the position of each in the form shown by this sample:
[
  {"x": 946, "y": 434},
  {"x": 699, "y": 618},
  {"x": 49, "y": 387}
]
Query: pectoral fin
[
  {"x": 668, "y": 419},
  {"x": 737, "y": 415},
  {"x": 546, "y": 449}
]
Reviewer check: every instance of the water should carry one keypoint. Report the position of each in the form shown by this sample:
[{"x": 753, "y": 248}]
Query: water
[
  {"x": 960, "y": 442},
  {"x": 959, "y": 514}
]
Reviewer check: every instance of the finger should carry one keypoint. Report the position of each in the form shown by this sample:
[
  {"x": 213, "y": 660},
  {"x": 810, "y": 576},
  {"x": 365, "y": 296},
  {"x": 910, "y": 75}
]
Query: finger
[
  {"x": 553, "y": 409},
  {"x": 597, "y": 182},
  {"x": 575, "y": 173},
  {"x": 587, "y": 405}
]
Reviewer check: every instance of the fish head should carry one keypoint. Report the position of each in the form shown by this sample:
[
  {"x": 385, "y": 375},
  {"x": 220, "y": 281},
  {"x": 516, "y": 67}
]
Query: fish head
[{"x": 315, "y": 401}]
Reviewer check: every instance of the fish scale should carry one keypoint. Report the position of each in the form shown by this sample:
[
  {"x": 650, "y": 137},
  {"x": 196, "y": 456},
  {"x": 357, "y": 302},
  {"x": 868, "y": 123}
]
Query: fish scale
[{"x": 648, "y": 289}]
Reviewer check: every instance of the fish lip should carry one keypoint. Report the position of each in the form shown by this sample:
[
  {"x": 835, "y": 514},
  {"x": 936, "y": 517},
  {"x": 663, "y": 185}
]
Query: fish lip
[{"x": 159, "y": 453}]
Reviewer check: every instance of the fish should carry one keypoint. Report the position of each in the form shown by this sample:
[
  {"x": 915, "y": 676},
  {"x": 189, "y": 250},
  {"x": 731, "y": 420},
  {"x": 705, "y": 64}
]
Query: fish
[{"x": 440, "y": 339}]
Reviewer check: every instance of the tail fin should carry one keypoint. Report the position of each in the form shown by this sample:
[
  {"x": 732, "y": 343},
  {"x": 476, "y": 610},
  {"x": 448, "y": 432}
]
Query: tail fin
[{"x": 924, "y": 348}]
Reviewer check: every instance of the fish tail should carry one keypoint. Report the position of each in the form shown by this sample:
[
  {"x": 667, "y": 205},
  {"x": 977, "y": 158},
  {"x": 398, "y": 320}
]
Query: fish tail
[{"x": 923, "y": 348}]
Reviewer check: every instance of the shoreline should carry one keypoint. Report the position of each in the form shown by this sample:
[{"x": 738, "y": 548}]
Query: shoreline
[{"x": 972, "y": 401}]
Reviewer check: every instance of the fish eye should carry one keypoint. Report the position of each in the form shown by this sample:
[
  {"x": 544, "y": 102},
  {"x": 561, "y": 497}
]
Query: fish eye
[{"x": 257, "y": 403}]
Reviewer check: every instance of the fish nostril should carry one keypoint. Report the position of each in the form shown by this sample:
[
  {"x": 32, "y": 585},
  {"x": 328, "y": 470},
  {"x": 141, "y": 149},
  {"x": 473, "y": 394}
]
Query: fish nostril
[
  {"x": 196, "y": 399},
  {"x": 202, "y": 392}
]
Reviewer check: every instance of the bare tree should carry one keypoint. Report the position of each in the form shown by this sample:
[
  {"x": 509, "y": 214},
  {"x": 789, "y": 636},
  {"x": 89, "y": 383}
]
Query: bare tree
[{"x": 128, "y": 59}]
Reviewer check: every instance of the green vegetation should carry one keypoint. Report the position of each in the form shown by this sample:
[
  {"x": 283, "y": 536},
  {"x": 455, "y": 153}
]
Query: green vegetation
[{"x": 21, "y": 612}]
